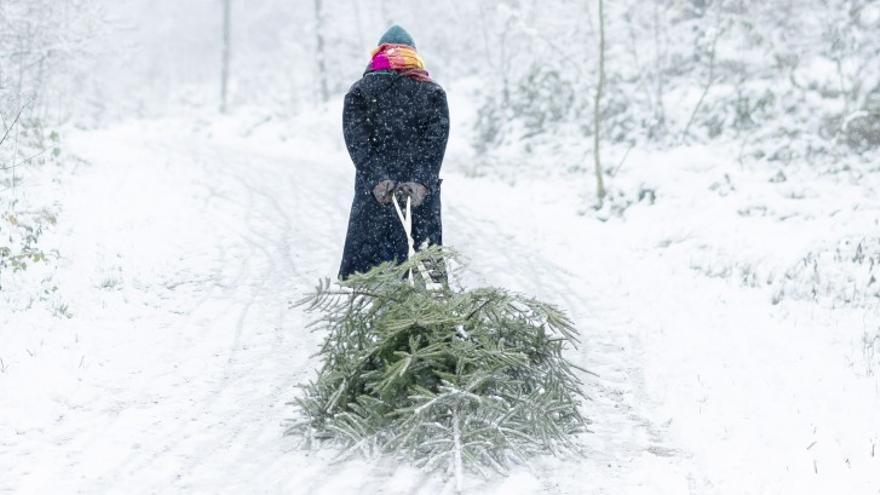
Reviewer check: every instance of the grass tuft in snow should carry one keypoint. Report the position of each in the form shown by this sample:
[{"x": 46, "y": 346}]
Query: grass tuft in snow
[{"x": 847, "y": 274}]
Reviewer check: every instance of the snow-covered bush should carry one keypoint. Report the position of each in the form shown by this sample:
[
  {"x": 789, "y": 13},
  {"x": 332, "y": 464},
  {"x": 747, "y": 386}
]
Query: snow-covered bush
[
  {"x": 539, "y": 101},
  {"x": 443, "y": 378},
  {"x": 42, "y": 51},
  {"x": 861, "y": 129},
  {"x": 871, "y": 351},
  {"x": 25, "y": 148},
  {"x": 542, "y": 98},
  {"x": 45, "y": 52},
  {"x": 20, "y": 234},
  {"x": 789, "y": 82}
]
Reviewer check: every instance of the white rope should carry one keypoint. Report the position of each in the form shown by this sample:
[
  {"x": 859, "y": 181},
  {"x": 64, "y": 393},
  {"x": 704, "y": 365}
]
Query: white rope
[{"x": 406, "y": 221}]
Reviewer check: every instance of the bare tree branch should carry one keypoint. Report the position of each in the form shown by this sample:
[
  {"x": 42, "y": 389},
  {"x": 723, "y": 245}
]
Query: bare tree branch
[
  {"x": 8, "y": 129},
  {"x": 709, "y": 83}
]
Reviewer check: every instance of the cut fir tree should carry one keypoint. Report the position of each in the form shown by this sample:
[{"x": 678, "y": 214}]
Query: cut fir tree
[{"x": 442, "y": 378}]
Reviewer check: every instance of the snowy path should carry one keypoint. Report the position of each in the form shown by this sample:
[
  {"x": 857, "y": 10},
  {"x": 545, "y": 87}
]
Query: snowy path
[{"x": 173, "y": 375}]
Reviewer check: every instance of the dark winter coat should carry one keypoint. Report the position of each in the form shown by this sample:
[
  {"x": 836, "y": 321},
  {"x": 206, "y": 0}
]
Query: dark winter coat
[{"x": 395, "y": 128}]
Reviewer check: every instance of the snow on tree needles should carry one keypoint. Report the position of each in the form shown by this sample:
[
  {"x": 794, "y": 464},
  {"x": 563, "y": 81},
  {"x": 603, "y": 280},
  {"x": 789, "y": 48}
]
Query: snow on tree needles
[{"x": 443, "y": 378}]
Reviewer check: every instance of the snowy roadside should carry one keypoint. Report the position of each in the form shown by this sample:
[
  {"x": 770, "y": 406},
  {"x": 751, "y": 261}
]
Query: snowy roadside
[
  {"x": 183, "y": 242},
  {"x": 751, "y": 299},
  {"x": 767, "y": 398}
]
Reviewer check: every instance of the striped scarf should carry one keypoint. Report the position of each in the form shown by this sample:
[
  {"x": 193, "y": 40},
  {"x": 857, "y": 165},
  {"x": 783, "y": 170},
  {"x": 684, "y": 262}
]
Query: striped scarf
[{"x": 402, "y": 59}]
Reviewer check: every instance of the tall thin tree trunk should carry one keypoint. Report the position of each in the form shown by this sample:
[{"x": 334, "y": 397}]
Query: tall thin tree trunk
[
  {"x": 227, "y": 40},
  {"x": 660, "y": 65},
  {"x": 597, "y": 110},
  {"x": 357, "y": 22},
  {"x": 319, "y": 52}
]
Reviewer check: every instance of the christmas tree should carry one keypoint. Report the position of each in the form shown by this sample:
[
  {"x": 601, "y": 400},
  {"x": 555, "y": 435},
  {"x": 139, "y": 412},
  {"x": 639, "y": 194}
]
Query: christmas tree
[{"x": 442, "y": 378}]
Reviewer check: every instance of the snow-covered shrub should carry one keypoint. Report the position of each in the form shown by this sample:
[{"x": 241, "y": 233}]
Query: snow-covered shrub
[
  {"x": 861, "y": 129},
  {"x": 847, "y": 274},
  {"x": 443, "y": 378},
  {"x": 541, "y": 98},
  {"x": 788, "y": 82},
  {"x": 20, "y": 234},
  {"x": 871, "y": 351},
  {"x": 539, "y": 101},
  {"x": 23, "y": 218},
  {"x": 45, "y": 52},
  {"x": 489, "y": 126}
]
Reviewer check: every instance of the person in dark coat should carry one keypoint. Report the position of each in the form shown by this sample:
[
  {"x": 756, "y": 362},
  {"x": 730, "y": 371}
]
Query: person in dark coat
[{"x": 396, "y": 125}]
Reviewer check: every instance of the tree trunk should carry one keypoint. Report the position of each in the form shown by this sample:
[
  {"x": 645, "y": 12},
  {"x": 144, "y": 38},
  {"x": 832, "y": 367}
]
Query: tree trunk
[
  {"x": 319, "y": 52},
  {"x": 224, "y": 70},
  {"x": 660, "y": 65},
  {"x": 597, "y": 112},
  {"x": 355, "y": 4}
]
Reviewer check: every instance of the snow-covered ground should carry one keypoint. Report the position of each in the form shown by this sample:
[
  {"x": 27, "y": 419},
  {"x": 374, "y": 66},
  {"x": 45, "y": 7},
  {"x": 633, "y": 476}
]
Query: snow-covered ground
[{"x": 723, "y": 365}]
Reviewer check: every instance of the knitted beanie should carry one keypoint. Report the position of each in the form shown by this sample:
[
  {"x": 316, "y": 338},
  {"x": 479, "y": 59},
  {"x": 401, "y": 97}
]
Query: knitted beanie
[{"x": 398, "y": 36}]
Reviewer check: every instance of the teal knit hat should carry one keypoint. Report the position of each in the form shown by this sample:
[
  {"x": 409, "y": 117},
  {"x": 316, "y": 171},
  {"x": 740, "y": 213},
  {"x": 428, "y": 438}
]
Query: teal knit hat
[{"x": 398, "y": 36}]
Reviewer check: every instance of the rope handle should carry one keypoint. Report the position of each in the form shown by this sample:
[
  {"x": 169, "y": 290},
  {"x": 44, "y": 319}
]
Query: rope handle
[{"x": 406, "y": 222}]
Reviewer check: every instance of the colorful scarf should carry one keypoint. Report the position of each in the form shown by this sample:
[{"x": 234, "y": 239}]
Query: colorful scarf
[{"x": 402, "y": 59}]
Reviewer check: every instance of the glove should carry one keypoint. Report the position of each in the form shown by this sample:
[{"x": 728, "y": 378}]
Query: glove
[
  {"x": 383, "y": 191},
  {"x": 413, "y": 190}
]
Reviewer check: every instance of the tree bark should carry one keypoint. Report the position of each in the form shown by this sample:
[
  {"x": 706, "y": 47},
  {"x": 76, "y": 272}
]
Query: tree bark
[
  {"x": 355, "y": 4},
  {"x": 597, "y": 110},
  {"x": 319, "y": 52}
]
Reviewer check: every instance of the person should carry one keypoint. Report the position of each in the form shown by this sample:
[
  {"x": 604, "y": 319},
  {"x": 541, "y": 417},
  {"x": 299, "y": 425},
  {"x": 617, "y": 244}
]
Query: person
[{"x": 396, "y": 125}]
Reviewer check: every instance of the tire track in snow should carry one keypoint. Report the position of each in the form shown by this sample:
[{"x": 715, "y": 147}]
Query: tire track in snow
[
  {"x": 266, "y": 231},
  {"x": 176, "y": 433},
  {"x": 624, "y": 438},
  {"x": 269, "y": 234}
]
